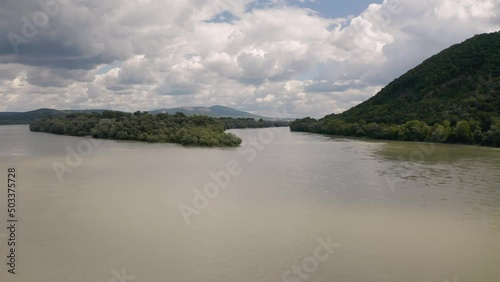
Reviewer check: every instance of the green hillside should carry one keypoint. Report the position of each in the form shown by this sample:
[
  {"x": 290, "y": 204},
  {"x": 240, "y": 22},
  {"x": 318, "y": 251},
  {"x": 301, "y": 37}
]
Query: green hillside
[
  {"x": 214, "y": 111},
  {"x": 452, "y": 97}
]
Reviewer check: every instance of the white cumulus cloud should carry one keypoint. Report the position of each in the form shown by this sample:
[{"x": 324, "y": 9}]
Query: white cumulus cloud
[{"x": 253, "y": 55}]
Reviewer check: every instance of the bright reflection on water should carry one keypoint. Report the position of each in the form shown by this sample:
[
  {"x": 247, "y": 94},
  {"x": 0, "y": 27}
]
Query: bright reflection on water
[{"x": 400, "y": 211}]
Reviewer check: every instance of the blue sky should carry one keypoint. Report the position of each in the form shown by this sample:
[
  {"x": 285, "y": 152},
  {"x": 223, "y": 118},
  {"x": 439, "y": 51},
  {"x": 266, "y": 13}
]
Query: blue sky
[
  {"x": 326, "y": 8},
  {"x": 336, "y": 8}
]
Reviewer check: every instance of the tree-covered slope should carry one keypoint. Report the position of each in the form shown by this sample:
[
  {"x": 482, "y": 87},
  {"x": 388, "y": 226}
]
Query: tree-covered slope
[
  {"x": 452, "y": 97},
  {"x": 461, "y": 82}
]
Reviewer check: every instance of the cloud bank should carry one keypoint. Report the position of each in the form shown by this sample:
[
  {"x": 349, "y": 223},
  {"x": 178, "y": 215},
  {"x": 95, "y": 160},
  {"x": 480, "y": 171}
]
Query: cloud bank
[{"x": 258, "y": 56}]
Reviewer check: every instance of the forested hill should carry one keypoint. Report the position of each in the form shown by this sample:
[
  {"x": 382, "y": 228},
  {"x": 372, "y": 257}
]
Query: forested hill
[
  {"x": 461, "y": 82},
  {"x": 459, "y": 86}
]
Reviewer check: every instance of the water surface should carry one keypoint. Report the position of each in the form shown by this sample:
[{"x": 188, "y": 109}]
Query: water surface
[{"x": 400, "y": 211}]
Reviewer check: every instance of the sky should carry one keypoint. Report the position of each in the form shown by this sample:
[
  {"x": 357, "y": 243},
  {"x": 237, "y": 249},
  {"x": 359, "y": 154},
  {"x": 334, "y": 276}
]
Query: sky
[{"x": 280, "y": 58}]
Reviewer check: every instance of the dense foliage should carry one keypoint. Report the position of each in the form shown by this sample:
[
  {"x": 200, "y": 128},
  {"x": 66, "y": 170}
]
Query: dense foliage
[
  {"x": 452, "y": 97},
  {"x": 464, "y": 131},
  {"x": 231, "y": 123},
  {"x": 141, "y": 126}
]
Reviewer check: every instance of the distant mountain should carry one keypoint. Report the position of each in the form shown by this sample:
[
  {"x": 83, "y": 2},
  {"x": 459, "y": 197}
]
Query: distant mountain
[
  {"x": 452, "y": 97},
  {"x": 28, "y": 117},
  {"x": 100, "y": 111},
  {"x": 215, "y": 111},
  {"x": 9, "y": 113}
]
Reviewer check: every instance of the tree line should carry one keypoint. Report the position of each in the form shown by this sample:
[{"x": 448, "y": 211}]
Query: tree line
[
  {"x": 237, "y": 123},
  {"x": 463, "y": 131}
]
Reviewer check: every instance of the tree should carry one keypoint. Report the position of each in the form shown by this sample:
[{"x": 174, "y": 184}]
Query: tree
[
  {"x": 493, "y": 135},
  {"x": 372, "y": 130},
  {"x": 463, "y": 132},
  {"x": 439, "y": 134},
  {"x": 122, "y": 135},
  {"x": 415, "y": 130}
]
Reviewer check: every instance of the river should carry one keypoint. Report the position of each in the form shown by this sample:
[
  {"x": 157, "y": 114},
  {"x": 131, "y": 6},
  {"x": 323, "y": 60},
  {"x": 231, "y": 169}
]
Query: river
[{"x": 284, "y": 206}]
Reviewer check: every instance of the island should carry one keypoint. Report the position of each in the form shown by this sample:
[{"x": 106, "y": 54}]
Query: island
[{"x": 176, "y": 128}]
